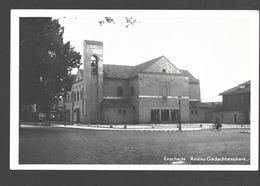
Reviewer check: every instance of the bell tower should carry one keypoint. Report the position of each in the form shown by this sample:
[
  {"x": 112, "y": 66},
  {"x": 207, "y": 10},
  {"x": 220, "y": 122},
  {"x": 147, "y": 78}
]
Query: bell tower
[{"x": 93, "y": 80}]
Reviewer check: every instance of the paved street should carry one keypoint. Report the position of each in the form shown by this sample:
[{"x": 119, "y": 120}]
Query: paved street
[{"x": 40, "y": 144}]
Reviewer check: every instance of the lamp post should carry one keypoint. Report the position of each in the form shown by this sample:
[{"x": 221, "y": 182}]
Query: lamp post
[
  {"x": 179, "y": 97},
  {"x": 65, "y": 118},
  {"x": 64, "y": 109}
]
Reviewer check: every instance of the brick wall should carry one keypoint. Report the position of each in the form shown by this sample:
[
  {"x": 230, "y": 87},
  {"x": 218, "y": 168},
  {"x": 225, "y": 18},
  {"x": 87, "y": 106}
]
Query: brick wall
[
  {"x": 146, "y": 104},
  {"x": 194, "y": 91},
  {"x": 117, "y": 115},
  {"x": 134, "y": 99},
  {"x": 200, "y": 115},
  {"x": 236, "y": 102},
  {"x": 151, "y": 84},
  {"x": 93, "y": 101},
  {"x": 111, "y": 85},
  {"x": 150, "y": 94},
  {"x": 228, "y": 117}
]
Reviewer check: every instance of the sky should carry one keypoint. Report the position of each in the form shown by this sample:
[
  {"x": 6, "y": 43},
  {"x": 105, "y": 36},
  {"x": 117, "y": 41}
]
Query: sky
[{"x": 214, "y": 46}]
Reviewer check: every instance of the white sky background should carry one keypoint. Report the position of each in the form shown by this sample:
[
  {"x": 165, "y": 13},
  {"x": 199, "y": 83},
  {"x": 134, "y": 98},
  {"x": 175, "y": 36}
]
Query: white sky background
[{"x": 215, "y": 48}]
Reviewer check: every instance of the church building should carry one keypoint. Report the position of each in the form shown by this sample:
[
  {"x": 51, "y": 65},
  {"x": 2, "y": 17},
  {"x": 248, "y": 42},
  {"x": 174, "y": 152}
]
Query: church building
[{"x": 155, "y": 91}]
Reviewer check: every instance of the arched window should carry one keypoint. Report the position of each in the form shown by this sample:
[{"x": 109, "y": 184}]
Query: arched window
[
  {"x": 74, "y": 96},
  {"x": 119, "y": 91},
  {"x": 77, "y": 96},
  {"x": 132, "y": 91},
  {"x": 68, "y": 98},
  {"x": 94, "y": 64},
  {"x": 81, "y": 95}
]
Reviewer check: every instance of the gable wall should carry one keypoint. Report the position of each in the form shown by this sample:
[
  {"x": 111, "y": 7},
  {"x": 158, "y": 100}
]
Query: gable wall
[
  {"x": 163, "y": 63},
  {"x": 150, "y": 87},
  {"x": 151, "y": 84}
]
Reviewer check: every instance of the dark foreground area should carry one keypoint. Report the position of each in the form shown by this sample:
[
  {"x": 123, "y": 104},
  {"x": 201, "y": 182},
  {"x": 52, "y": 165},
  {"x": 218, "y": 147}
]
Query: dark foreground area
[{"x": 46, "y": 145}]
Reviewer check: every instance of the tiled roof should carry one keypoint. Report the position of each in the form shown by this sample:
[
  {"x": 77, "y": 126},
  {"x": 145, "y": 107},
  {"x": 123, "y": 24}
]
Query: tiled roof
[
  {"x": 117, "y": 71},
  {"x": 191, "y": 77},
  {"x": 237, "y": 89},
  {"x": 117, "y": 103},
  {"x": 124, "y": 71},
  {"x": 199, "y": 104}
]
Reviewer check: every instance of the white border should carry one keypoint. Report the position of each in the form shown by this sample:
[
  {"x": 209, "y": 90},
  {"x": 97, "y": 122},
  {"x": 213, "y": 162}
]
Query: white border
[
  {"x": 14, "y": 88},
  {"x": 14, "y": 91},
  {"x": 254, "y": 145}
]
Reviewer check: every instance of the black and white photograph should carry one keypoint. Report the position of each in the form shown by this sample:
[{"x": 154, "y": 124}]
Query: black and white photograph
[{"x": 134, "y": 90}]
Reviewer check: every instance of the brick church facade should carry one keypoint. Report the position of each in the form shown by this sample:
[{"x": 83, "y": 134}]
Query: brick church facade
[{"x": 119, "y": 94}]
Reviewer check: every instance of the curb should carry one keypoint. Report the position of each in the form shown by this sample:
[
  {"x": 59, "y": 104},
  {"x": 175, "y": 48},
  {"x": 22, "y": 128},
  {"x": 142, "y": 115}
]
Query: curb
[{"x": 128, "y": 129}]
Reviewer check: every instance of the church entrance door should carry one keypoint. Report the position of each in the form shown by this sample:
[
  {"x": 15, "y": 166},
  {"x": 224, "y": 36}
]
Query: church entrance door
[
  {"x": 154, "y": 115},
  {"x": 165, "y": 115}
]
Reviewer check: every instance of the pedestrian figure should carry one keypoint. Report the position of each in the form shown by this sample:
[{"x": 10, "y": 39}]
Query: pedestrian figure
[{"x": 217, "y": 123}]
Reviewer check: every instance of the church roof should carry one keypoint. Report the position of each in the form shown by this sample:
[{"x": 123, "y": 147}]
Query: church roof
[
  {"x": 191, "y": 77},
  {"x": 117, "y": 71},
  {"x": 240, "y": 89},
  {"x": 125, "y": 72}
]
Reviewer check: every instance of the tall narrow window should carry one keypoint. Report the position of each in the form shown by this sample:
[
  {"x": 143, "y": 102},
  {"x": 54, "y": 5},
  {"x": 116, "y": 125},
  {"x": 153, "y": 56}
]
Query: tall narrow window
[
  {"x": 94, "y": 65},
  {"x": 119, "y": 91},
  {"x": 82, "y": 98},
  {"x": 77, "y": 96},
  {"x": 81, "y": 95},
  {"x": 74, "y": 96},
  {"x": 132, "y": 91},
  {"x": 165, "y": 91}
]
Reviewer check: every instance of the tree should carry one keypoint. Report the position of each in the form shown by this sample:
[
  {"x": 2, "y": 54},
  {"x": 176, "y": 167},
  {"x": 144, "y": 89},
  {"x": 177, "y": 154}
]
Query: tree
[
  {"x": 46, "y": 63},
  {"x": 129, "y": 21}
]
